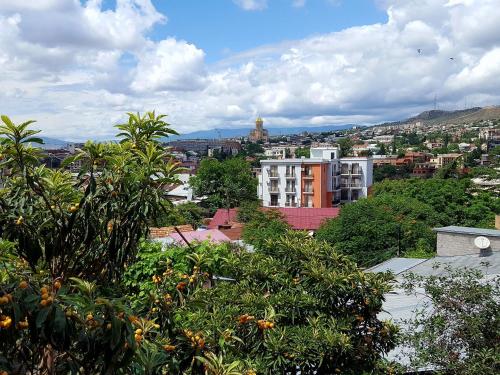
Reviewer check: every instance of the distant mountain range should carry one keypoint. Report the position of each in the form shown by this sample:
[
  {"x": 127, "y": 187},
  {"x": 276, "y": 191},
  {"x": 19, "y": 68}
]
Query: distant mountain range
[
  {"x": 242, "y": 132},
  {"x": 428, "y": 117},
  {"x": 53, "y": 143},
  {"x": 462, "y": 116}
]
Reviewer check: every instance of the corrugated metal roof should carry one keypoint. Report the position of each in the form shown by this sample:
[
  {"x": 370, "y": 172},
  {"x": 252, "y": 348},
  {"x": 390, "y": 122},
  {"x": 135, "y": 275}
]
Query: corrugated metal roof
[
  {"x": 399, "y": 307},
  {"x": 396, "y": 265},
  {"x": 489, "y": 264},
  {"x": 468, "y": 230}
]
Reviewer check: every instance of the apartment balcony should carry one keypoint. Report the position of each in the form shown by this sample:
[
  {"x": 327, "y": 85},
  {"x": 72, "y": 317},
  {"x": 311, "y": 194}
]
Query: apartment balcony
[
  {"x": 351, "y": 186},
  {"x": 345, "y": 172},
  {"x": 356, "y": 172},
  {"x": 308, "y": 176},
  {"x": 290, "y": 204},
  {"x": 308, "y": 205},
  {"x": 290, "y": 175},
  {"x": 273, "y": 204},
  {"x": 274, "y": 190},
  {"x": 272, "y": 173},
  {"x": 290, "y": 190},
  {"x": 308, "y": 191}
]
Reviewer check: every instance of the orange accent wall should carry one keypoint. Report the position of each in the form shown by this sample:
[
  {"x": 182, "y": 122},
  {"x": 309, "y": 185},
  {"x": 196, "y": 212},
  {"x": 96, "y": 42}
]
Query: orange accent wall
[{"x": 321, "y": 197}]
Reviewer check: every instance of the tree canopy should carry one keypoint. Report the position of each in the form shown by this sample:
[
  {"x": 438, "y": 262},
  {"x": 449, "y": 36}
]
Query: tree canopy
[
  {"x": 456, "y": 329},
  {"x": 225, "y": 184},
  {"x": 401, "y": 214}
]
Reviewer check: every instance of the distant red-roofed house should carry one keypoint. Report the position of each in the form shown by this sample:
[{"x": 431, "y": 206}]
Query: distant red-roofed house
[
  {"x": 309, "y": 219},
  {"x": 163, "y": 232}
]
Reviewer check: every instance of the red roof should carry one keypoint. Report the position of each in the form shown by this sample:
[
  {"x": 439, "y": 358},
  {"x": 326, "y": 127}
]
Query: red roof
[
  {"x": 221, "y": 217},
  {"x": 297, "y": 218}
]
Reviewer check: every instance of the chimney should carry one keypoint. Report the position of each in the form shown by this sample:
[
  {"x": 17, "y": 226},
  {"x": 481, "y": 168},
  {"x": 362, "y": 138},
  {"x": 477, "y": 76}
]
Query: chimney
[{"x": 497, "y": 222}]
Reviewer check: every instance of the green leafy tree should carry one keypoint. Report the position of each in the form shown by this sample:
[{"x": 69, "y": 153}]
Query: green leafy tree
[
  {"x": 345, "y": 145},
  {"x": 294, "y": 305},
  {"x": 264, "y": 226},
  {"x": 455, "y": 201},
  {"x": 456, "y": 330},
  {"x": 382, "y": 150},
  {"x": 53, "y": 328},
  {"x": 384, "y": 171},
  {"x": 184, "y": 213},
  {"x": 88, "y": 226},
  {"x": 225, "y": 184},
  {"x": 375, "y": 229},
  {"x": 302, "y": 152},
  {"x": 248, "y": 210},
  {"x": 252, "y": 149}
]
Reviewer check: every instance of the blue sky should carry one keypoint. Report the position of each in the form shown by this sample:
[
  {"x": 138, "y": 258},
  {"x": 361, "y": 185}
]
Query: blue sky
[
  {"x": 221, "y": 27},
  {"x": 77, "y": 66}
]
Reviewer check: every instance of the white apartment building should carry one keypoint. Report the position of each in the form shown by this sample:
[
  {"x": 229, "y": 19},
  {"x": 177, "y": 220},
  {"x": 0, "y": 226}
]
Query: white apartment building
[{"x": 323, "y": 180}]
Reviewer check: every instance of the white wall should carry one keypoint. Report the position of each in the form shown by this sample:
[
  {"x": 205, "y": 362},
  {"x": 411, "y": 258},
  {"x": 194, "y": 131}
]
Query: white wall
[{"x": 265, "y": 180}]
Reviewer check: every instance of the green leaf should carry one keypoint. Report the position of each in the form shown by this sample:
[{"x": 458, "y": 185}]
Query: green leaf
[
  {"x": 42, "y": 316},
  {"x": 59, "y": 320},
  {"x": 116, "y": 332}
]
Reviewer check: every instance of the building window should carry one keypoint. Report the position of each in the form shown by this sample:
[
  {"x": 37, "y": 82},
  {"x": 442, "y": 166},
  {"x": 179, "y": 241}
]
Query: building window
[
  {"x": 308, "y": 187},
  {"x": 356, "y": 169},
  {"x": 290, "y": 201},
  {"x": 274, "y": 200},
  {"x": 290, "y": 171},
  {"x": 308, "y": 202},
  {"x": 308, "y": 171},
  {"x": 354, "y": 195},
  {"x": 290, "y": 186},
  {"x": 344, "y": 194},
  {"x": 345, "y": 169},
  {"x": 273, "y": 171},
  {"x": 273, "y": 186}
]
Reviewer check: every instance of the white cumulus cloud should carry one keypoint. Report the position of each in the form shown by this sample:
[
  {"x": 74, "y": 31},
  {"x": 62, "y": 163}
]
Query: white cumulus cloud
[
  {"x": 251, "y": 4},
  {"x": 170, "y": 65},
  {"x": 76, "y": 68}
]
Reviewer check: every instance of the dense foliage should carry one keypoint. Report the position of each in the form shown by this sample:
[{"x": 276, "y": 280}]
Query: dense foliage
[
  {"x": 295, "y": 305},
  {"x": 388, "y": 171},
  {"x": 456, "y": 330},
  {"x": 224, "y": 184},
  {"x": 375, "y": 229},
  {"x": 184, "y": 213},
  {"x": 89, "y": 225},
  {"x": 400, "y": 216},
  {"x": 81, "y": 294},
  {"x": 455, "y": 201},
  {"x": 264, "y": 226},
  {"x": 153, "y": 258}
]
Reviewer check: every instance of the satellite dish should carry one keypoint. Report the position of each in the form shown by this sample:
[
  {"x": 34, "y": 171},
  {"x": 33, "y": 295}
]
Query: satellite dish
[{"x": 482, "y": 242}]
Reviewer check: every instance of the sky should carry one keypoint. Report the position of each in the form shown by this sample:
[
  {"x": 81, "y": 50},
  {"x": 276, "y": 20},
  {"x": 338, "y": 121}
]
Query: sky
[{"x": 78, "y": 66}]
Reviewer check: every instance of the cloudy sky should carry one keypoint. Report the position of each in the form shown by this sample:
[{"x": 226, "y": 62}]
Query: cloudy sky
[{"x": 78, "y": 66}]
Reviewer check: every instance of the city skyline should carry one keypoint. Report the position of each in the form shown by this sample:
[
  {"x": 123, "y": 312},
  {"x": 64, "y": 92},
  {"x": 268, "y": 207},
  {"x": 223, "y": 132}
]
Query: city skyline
[{"x": 76, "y": 67}]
